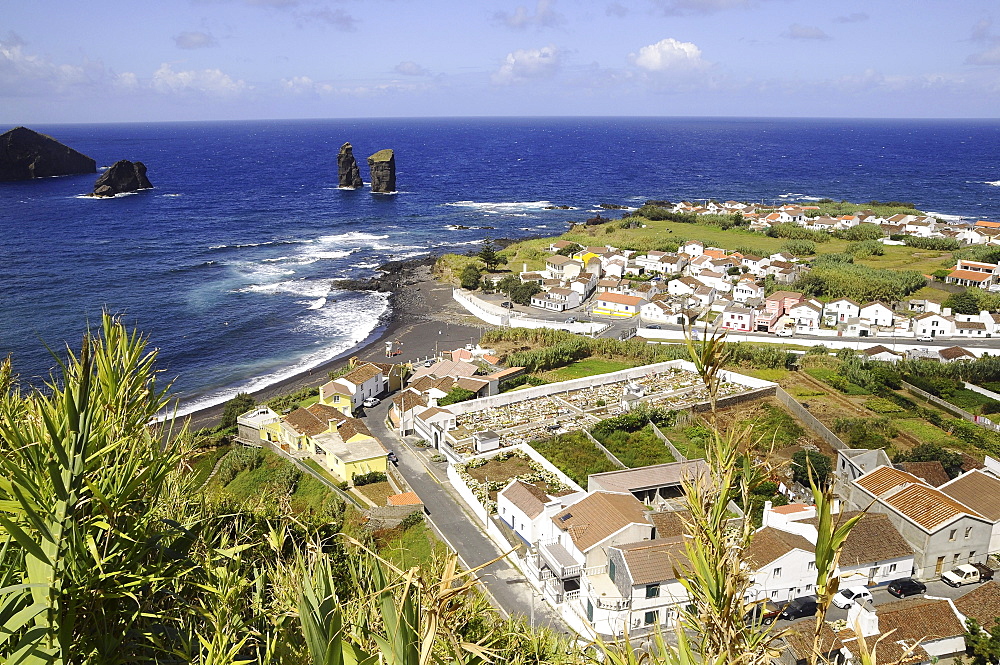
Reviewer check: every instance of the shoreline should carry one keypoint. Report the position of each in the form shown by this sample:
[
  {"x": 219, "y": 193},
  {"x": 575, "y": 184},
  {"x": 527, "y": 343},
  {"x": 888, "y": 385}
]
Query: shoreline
[{"x": 418, "y": 313}]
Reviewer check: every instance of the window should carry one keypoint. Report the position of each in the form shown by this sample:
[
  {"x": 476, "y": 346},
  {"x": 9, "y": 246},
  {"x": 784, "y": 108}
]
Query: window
[
  {"x": 954, "y": 559},
  {"x": 652, "y": 591},
  {"x": 892, "y": 568},
  {"x": 777, "y": 572},
  {"x": 968, "y": 531},
  {"x": 972, "y": 553},
  {"x": 611, "y": 569},
  {"x": 590, "y": 611},
  {"x": 811, "y": 565},
  {"x": 809, "y": 587},
  {"x": 774, "y": 594},
  {"x": 952, "y": 534},
  {"x": 650, "y": 618}
]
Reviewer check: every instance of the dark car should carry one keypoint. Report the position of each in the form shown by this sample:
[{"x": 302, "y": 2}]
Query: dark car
[
  {"x": 654, "y": 326},
  {"x": 799, "y": 608},
  {"x": 906, "y": 586},
  {"x": 508, "y": 304},
  {"x": 764, "y": 612}
]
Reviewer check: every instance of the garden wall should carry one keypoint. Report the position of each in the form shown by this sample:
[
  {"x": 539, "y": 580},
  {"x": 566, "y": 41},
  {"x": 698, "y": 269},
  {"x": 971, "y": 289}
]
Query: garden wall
[
  {"x": 982, "y": 421},
  {"x": 499, "y": 316},
  {"x": 809, "y": 419}
]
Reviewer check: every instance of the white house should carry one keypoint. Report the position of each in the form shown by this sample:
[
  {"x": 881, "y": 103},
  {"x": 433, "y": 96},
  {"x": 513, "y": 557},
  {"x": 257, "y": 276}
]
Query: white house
[
  {"x": 747, "y": 289},
  {"x": 615, "y": 304},
  {"x": 364, "y": 381},
  {"x": 658, "y": 312},
  {"x": 932, "y": 324},
  {"x": 738, "y": 318},
  {"x": 979, "y": 490},
  {"x": 840, "y": 310},
  {"x": 806, "y": 314},
  {"x": 645, "y": 589},
  {"x": 878, "y": 313},
  {"x": 782, "y": 563},
  {"x": 882, "y": 353},
  {"x": 693, "y": 248},
  {"x": 683, "y": 286},
  {"x": 556, "y": 299}
]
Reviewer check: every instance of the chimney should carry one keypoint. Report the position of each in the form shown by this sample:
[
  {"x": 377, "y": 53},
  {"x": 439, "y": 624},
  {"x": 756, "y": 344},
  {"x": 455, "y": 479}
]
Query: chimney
[
  {"x": 524, "y": 267},
  {"x": 946, "y": 311},
  {"x": 862, "y": 620}
]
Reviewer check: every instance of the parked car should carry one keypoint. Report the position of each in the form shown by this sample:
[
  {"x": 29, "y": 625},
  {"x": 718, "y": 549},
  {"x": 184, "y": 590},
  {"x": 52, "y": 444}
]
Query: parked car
[
  {"x": 798, "y": 608},
  {"x": 371, "y": 401},
  {"x": 785, "y": 332},
  {"x": 391, "y": 456},
  {"x": 849, "y": 596},
  {"x": 507, "y": 304},
  {"x": 653, "y": 326},
  {"x": 925, "y": 338},
  {"x": 763, "y": 612},
  {"x": 906, "y": 586},
  {"x": 969, "y": 573},
  {"x": 571, "y": 319}
]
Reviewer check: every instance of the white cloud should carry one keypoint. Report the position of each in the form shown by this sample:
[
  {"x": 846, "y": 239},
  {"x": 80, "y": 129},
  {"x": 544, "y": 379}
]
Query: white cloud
[
  {"x": 982, "y": 33},
  {"x": 669, "y": 55},
  {"x": 616, "y": 9},
  {"x": 526, "y": 64},
  {"x": 205, "y": 81},
  {"x": 521, "y": 18},
  {"x": 798, "y": 31},
  {"x": 193, "y": 40},
  {"x": 856, "y": 17},
  {"x": 410, "y": 68},
  {"x": 673, "y": 7},
  {"x": 24, "y": 73},
  {"x": 337, "y": 18}
]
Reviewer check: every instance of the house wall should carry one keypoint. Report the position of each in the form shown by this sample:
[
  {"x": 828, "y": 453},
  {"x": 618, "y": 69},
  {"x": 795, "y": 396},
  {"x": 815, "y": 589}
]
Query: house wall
[
  {"x": 886, "y": 571},
  {"x": 789, "y": 576},
  {"x": 516, "y": 519}
]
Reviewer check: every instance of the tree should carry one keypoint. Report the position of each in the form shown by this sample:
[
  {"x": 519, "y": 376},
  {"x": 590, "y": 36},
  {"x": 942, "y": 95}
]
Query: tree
[
  {"x": 508, "y": 284},
  {"x": 819, "y": 463},
  {"x": 470, "y": 277},
  {"x": 521, "y": 294},
  {"x": 571, "y": 249},
  {"x": 983, "y": 645},
  {"x": 963, "y": 303},
  {"x": 488, "y": 254},
  {"x": 932, "y": 452},
  {"x": 235, "y": 408},
  {"x": 456, "y": 394}
]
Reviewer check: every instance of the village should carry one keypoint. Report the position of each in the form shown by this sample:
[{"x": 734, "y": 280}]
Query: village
[
  {"x": 603, "y": 549},
  {"x": 604, "y": 554}
]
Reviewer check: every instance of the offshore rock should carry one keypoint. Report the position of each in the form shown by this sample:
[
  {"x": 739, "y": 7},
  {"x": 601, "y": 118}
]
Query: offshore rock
[
  {"x": 26, "y": 154},
  {"x": 123, "y": 177},
  {"x": 383, "y": 168},
  {"x": 347, "y": 168}
]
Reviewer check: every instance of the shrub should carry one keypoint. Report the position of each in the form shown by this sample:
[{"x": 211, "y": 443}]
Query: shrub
[
  {"x": 235, "y": 408},
  {"x": 286, "y": 479},
  {"x": 803, "y": 460},
  {"x": 931, "y": 452},
  {"x": 238, "y": 459},
  {"x": 411, "y": 520},
  {"x": 799, "y": 247},
  {"x": 455, "y": 395},
  {"x": 940, "y": 244},
  {"x": 369, "y": 478},
  {"x": 866, "y": 248},
  {"x": 862, "y": 232},
  {"x": 882, "y": 405},
  {"x": 470, "y": 277},
  {"x": 868, "y": 433}
]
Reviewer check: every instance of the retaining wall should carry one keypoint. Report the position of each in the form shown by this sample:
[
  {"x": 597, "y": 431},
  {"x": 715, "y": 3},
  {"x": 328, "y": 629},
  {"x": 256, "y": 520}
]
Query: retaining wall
[
  {"x": 809, "y": 419},
  {"x": 982, "y": 421},
  {"x": 668, "y": 443},
  {"x": 500, "y": 316}
]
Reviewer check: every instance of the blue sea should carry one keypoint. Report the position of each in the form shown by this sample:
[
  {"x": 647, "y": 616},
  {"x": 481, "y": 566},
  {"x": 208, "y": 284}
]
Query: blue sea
[{"x": 227, "y": 263}]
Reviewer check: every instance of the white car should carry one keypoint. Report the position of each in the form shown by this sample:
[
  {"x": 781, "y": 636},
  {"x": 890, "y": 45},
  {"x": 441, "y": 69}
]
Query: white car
[
  {"x": 925, "y": 338},
  {"x": 371, "y": 401},
  {"x": 854, "y": 594},
  {"x": 785, "y": 332}
]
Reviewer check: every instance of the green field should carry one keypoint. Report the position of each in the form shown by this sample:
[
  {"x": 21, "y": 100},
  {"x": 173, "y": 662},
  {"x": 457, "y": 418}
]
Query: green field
[
  {"x": 413, "y": 547},
  {"x": 636, "y": 449},
  {"x": 202, "y": 465},
  {"x": 831, "y": 378},
  {"x": 663, "y": 234},
  {"x": 261, "y": 485},
  {"x": 588, "y": 367},
  {"x": 575, "y": 455},
  {"x": 925, "y": 432}
]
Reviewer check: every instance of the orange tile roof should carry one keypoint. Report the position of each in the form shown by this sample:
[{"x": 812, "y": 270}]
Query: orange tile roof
[
  {"x": 971, "y": 275},
  {"x": 928, "y": 507},
  {"x": 595, "y": 517},
  {"x": 404, "y": 499},
  {"x": 620, "y": 299},
  {"x": 884, "y": 478}
]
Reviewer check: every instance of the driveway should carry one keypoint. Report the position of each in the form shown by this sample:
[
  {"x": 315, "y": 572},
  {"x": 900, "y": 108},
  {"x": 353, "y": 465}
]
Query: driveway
[{"x": 510, "y": 592}]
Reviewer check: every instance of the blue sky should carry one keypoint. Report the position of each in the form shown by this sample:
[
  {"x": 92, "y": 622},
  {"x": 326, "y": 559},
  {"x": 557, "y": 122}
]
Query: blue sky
[{"x": 69, "y": 61}]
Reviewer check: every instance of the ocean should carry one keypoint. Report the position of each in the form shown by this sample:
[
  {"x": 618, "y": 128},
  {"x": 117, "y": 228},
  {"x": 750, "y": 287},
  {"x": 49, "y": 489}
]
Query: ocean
[{"x": 227, "y": 263}]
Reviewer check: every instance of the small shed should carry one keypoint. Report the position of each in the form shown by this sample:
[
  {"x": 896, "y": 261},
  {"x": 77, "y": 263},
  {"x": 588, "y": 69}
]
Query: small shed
[{"x": 486, "y": 441}]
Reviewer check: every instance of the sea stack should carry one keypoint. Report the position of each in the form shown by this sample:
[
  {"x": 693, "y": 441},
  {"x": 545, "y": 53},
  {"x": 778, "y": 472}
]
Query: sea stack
[
  {"x": 123, "y": 177},
  {"x": 383, "y": 168},
  {"x": 26, "y": 154},
  {"x": 347, "y": 168}
]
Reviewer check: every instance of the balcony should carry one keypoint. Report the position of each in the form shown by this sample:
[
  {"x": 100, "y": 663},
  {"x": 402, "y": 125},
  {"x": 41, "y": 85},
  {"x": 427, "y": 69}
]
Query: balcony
[
  {"x": 603, "y": 593},
  {"x": 559, "y": 560}
]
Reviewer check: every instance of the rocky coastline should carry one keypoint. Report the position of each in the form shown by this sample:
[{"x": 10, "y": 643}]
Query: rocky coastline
[{"x": 26, "y": 154}]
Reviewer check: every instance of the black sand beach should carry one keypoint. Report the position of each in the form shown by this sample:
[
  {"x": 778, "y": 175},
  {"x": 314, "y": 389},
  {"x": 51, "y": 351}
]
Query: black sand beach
[{"x": 424, "y": 319}]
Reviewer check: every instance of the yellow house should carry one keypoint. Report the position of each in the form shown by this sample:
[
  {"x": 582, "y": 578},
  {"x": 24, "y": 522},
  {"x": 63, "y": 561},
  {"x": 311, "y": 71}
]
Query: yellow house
[
  {"x": 296, "y": 431},
  {"x": 351, "y": 450},
  {"x": 338, "y": 395}
]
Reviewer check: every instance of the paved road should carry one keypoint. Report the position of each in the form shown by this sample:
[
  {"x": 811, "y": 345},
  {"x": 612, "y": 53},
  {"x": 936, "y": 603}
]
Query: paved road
[{"x": 508, "y": 588}]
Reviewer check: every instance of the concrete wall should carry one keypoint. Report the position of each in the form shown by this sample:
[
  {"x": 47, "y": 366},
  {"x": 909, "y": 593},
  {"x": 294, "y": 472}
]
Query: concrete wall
[
  {"x": 500, "y": 316},
  {"x": 810, "y": 421}
]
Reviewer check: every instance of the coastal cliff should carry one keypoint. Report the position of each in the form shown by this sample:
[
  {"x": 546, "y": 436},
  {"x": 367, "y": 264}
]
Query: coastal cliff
[
  {"x": 123, "y": 177},
  {"x": 348, "y": 174},
  {"x": 383, "y": 168},
  {"x": 26, "y": 154}
]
